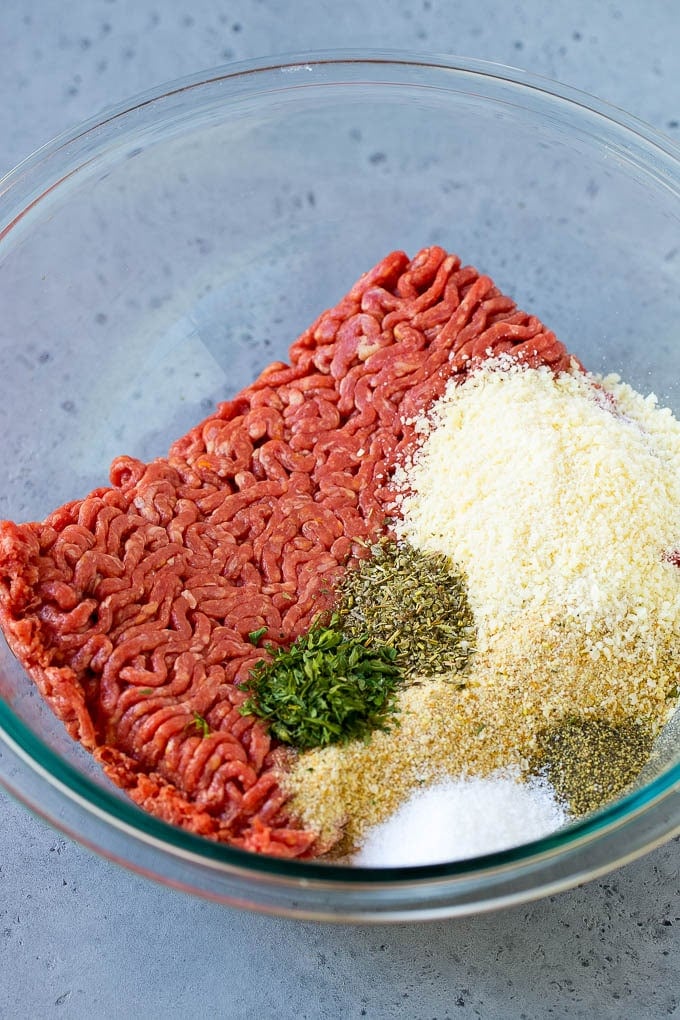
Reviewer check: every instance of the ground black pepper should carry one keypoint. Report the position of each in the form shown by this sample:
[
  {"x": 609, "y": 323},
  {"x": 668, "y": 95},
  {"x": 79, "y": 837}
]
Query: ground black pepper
[{"x": 589, "y": 761}]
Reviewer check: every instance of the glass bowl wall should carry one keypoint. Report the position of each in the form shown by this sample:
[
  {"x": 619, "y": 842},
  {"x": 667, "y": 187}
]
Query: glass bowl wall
[{"x": 152, "y": 262}]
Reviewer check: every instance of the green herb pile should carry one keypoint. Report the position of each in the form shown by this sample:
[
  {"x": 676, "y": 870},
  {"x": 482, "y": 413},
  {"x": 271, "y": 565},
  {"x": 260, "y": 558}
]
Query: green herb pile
[
  {"x": 413, "y": 601},
  {"x": 327, "y": 687}
]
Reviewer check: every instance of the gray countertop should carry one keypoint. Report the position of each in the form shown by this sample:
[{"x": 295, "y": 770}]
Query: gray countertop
[{"x": 79, "y": 937}]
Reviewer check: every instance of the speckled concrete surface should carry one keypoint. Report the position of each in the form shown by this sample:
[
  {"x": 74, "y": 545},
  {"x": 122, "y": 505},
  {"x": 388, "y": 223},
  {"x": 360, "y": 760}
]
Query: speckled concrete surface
[{"x": 81, "y": 938}]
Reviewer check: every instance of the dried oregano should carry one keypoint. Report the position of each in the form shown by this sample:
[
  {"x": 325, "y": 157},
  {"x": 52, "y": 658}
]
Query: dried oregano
[{"x": 413, "y": 601}]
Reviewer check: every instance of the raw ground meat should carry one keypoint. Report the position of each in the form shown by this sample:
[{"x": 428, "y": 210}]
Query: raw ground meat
[{"x": 131, "y": 608}]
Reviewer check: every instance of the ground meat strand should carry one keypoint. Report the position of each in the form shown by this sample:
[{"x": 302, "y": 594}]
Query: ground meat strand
[{"x": 131, "y": 608}]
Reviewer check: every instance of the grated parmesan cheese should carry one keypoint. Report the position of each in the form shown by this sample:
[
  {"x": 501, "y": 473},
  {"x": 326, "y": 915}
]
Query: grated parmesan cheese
[{"x": 558, "y": 496}]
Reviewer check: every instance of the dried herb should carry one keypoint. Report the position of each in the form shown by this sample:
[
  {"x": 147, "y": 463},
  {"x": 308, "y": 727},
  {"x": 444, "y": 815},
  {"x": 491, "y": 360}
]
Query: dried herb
[
  {"x": 255, "y": 635},
  {"x": 414, "y": 601},
  {"x": 326, "y": 688},
  {"x": 589, "y": 761},
  {"x": 201, "y": 724}
]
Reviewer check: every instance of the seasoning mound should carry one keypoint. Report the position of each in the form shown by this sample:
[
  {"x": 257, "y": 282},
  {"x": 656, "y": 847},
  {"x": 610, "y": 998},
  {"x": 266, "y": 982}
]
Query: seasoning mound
[
  {"x": 461, "y": 818},
  {"x": 326, "y": 688},
  {"x": 590, "y": 761},
  {"x": 413, "y": 601}
]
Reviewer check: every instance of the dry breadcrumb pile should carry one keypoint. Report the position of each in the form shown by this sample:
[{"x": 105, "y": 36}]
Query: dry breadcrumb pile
[{"x": 558, "y": 497}]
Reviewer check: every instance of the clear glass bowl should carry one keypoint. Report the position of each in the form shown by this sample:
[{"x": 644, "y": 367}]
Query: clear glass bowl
[{"x": 152, "y": 261}]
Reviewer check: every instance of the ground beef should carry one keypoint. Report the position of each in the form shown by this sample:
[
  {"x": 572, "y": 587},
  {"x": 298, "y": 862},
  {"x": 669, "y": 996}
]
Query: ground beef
[{"x": 131, "y": 608}]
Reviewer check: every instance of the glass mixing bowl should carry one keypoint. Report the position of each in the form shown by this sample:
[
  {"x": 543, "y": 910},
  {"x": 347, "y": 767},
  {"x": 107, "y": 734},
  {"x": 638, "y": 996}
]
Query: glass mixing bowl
[{"x": 154, "y": 260}]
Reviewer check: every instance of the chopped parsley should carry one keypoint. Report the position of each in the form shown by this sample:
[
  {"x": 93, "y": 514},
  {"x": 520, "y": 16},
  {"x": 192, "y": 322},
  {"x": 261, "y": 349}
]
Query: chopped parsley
[
  {"x": 255, "y": 635},
  {"x": 326, "y": 688},
  {"x": 201, "y": 724}
]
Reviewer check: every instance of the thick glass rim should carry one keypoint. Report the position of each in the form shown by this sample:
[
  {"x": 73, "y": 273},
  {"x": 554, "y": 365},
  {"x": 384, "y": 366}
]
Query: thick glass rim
[{"x": 47, "y": 168}]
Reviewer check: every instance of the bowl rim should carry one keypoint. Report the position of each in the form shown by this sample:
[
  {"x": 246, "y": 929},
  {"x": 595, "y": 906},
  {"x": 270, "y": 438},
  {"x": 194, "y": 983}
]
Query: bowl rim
[
  {"x": 124, "y": 815},
  {"x": 290, "y": 62}
]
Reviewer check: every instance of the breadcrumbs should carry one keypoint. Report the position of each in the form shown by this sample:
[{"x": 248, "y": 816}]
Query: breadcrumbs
[{"x": 478, "y": 722}]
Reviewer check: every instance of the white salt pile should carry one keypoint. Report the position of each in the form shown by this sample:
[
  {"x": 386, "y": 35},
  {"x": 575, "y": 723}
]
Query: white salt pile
[{"x": 461, "y": 818}]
